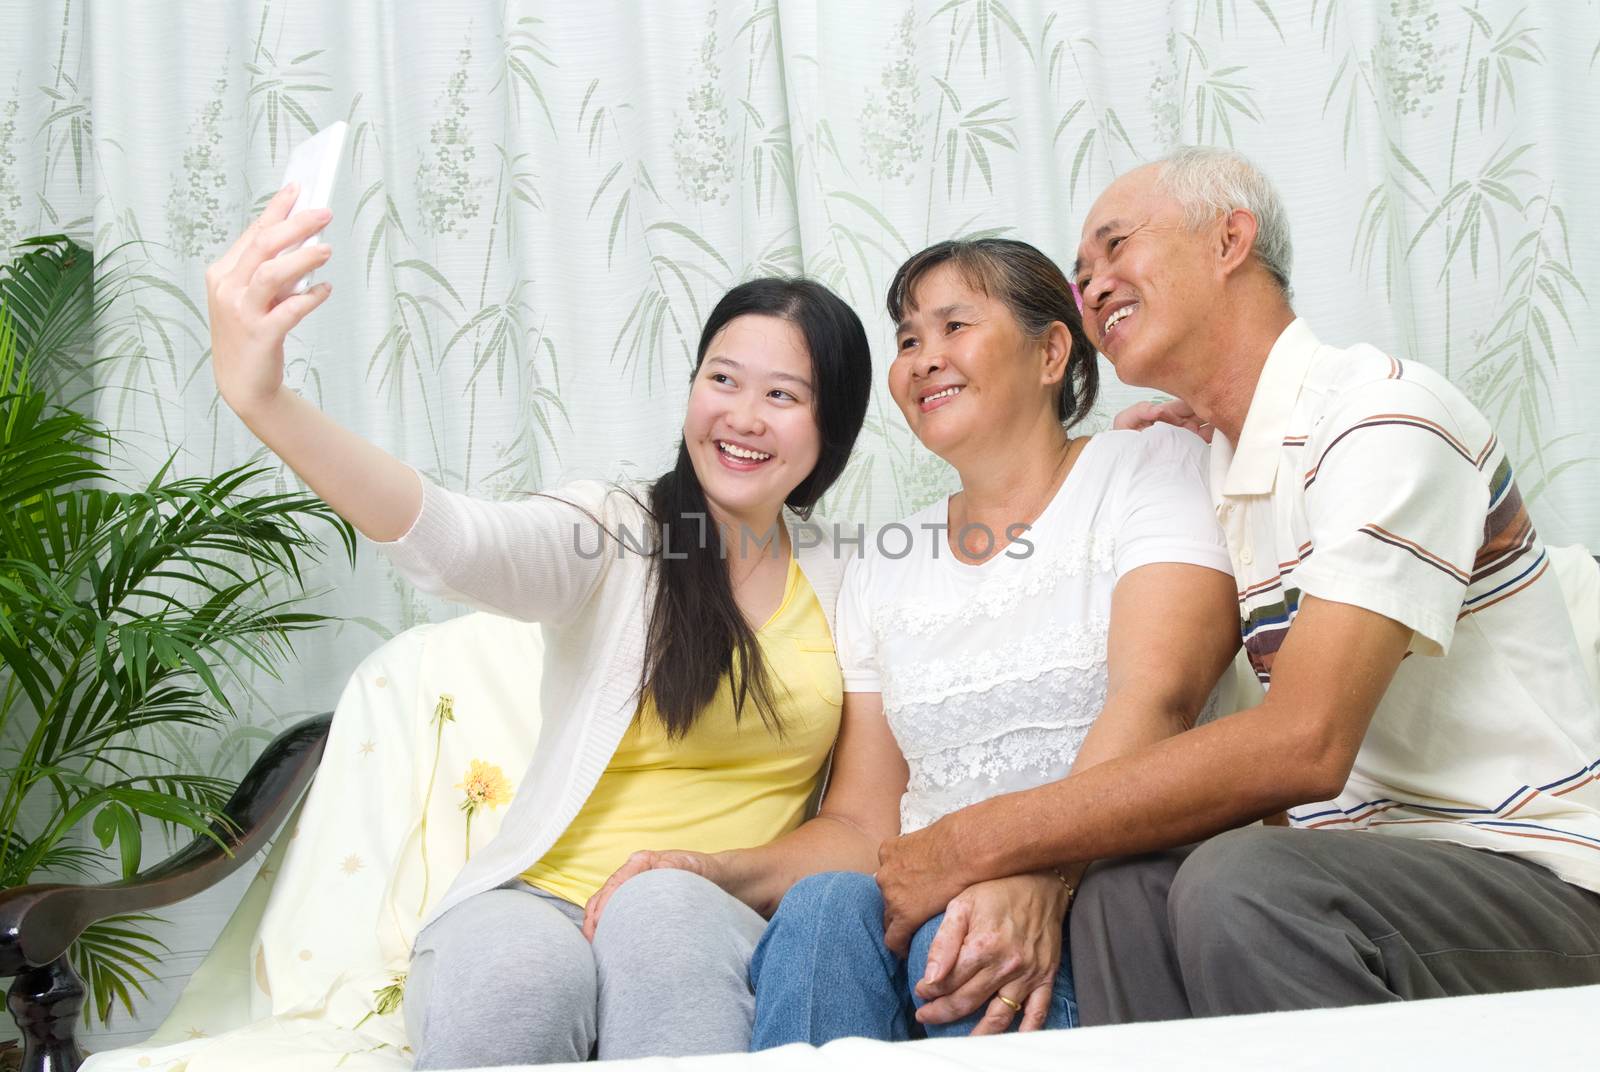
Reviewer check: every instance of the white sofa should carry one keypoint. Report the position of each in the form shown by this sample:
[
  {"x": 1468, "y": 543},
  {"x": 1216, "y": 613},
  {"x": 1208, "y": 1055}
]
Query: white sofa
[{"x": 293, "y": 981}]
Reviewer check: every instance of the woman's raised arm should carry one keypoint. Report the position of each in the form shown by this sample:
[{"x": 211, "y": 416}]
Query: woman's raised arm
[
  {"x": 252, "y": 310},
  {"x": 536, "y": 559}
]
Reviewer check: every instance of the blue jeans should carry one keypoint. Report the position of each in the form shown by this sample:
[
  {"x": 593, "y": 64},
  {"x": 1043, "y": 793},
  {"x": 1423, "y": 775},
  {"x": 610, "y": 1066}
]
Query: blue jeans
[{"x": 822, "y": 972}]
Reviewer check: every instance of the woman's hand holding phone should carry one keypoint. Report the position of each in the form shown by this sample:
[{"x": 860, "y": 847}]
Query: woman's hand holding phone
[{"x": 252, "y": 304}]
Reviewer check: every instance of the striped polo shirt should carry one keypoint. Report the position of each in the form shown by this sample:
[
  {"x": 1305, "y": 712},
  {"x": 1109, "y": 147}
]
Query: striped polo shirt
[{"x": 1367, "y": 480}]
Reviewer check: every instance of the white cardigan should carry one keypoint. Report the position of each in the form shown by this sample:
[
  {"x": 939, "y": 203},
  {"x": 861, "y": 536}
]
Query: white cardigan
[{"x": 536, "y": 559}]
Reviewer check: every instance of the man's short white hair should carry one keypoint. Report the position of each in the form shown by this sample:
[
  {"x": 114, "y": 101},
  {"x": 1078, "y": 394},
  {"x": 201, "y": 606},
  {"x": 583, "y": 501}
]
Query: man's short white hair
[{"x": 1210, "y": 182}]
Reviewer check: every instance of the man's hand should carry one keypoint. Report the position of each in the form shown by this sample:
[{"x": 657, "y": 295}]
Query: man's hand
[
  {"x": 1142, "y": 415},
  {"x": 919, "y": 874},
  {"x": 998, "y": 938},
  {"x": 640, "y": 862}
]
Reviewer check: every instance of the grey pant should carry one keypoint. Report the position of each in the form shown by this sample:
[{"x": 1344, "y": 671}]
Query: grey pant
[
  {"x": 1270, "y": 918},
  {"x": 506, "y": 977}
]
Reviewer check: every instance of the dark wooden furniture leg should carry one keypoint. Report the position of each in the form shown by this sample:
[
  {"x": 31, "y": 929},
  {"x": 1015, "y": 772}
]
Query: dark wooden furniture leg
[{"x": 45, "y": 1003}]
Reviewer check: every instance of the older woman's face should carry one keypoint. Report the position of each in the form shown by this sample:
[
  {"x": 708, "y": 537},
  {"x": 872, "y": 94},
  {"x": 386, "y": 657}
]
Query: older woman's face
[{"x": 964, "y": 373}]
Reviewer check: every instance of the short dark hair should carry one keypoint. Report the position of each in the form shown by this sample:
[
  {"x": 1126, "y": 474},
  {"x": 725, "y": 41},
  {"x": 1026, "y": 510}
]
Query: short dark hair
[{"x": 1031, "y": 285}]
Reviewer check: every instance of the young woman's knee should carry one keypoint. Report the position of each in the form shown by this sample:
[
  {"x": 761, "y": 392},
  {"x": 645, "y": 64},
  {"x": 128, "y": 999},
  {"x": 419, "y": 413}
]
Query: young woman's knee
[
  {"x": 665, "y": 896},
  {"x": 493, "y": 924},
  {"x": 667, "y": 919},
  {"x": 502, "y": 978},
  {"x": 508, "y": 941}
]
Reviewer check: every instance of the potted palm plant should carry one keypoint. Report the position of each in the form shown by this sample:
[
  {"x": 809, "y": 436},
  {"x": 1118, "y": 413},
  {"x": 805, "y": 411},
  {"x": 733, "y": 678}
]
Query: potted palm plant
[{"x": 125, "y": 612}]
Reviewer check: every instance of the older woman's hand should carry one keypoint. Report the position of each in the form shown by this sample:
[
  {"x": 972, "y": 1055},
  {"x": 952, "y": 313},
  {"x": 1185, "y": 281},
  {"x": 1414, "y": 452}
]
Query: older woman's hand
[
  {"x": 1142, "y": 415},
  {"x": 1000, "y": 939}
]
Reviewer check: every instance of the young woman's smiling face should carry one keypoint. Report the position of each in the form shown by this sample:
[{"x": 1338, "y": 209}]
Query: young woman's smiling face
[
  {"x": 751, "y": 425},
  {"x": 961, "y": 373}
]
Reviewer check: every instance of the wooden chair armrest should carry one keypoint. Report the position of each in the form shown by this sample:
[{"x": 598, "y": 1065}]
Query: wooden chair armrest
[{"x": 38, "y": 923}]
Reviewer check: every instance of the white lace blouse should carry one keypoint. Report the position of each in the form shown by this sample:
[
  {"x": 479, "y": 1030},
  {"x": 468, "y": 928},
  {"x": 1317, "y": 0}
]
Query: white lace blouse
[{"x": 992, "y": 674}]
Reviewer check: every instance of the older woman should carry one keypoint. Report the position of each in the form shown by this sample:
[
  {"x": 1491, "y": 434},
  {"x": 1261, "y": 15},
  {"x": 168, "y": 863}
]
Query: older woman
[
  {"x": 1071, "y": 582},
  {"x": 1072, "y": 600}
]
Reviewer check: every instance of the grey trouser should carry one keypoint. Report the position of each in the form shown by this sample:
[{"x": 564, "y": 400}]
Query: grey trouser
[
  {"x": 506, "y": 977},
  {"x": 1268, "y": 918}
]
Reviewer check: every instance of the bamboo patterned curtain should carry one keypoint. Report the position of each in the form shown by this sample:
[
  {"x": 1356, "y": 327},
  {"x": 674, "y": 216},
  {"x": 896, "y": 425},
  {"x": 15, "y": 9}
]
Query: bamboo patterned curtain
[{"x": 542, "y": 200}]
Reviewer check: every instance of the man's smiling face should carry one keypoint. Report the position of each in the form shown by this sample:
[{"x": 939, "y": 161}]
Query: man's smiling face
[{"x": 1147, "y": 282}]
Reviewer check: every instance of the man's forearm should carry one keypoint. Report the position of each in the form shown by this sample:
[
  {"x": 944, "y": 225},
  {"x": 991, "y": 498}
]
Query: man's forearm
[
  {"x": 1180, "y": 790},
  {"x": 1130, "y": 722},
  {"x": 1299, "y": 746}
]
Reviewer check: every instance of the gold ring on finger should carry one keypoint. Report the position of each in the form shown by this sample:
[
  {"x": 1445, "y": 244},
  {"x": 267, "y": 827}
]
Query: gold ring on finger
[{"x": 1010, "y": 1003}]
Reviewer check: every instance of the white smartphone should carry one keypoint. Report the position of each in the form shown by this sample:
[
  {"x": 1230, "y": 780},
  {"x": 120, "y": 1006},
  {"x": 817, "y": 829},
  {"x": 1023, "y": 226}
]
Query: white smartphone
[{"x": 314, "y": 164}]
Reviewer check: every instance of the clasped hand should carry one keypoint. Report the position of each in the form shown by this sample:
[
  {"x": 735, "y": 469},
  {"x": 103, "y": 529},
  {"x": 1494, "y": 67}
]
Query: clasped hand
[
  {"x": 999, "y": 942},
  {"x": 999, "y": 938}
]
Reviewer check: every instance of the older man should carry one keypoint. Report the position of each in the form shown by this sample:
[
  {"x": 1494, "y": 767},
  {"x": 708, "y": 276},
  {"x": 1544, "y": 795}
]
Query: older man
[{"x": 1429, "y": 727}]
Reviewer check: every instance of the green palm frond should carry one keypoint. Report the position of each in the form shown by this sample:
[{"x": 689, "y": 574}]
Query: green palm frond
[
  {"x": 54, "y": 302},
  {"x": 1218, "y": 97},
  {"x": 1512, "y": 377},
  {"x": 969, "y": 139},
  {"x": 113, "y": 958},
  {"x": 127, "y": 614},
  {"x": 72, "y": 119},
  {"x": 1105, "y": 128},
  {"x": 772, "y": 162},
  {"x": 681, "y": 264}
]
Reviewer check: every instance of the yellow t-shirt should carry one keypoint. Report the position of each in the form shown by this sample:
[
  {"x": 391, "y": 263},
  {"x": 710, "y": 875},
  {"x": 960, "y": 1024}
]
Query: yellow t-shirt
[{"x": 724, "y": 785}]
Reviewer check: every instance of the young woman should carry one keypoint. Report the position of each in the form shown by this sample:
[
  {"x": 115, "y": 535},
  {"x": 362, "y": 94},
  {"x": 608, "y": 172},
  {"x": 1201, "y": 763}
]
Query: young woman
[
  {"x": 1070, "y": 603},
  {"x": 689, "y": 658}
]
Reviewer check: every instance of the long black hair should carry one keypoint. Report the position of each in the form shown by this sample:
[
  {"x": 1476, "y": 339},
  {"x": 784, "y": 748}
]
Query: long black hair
[{"x": 697, "y": 634}]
